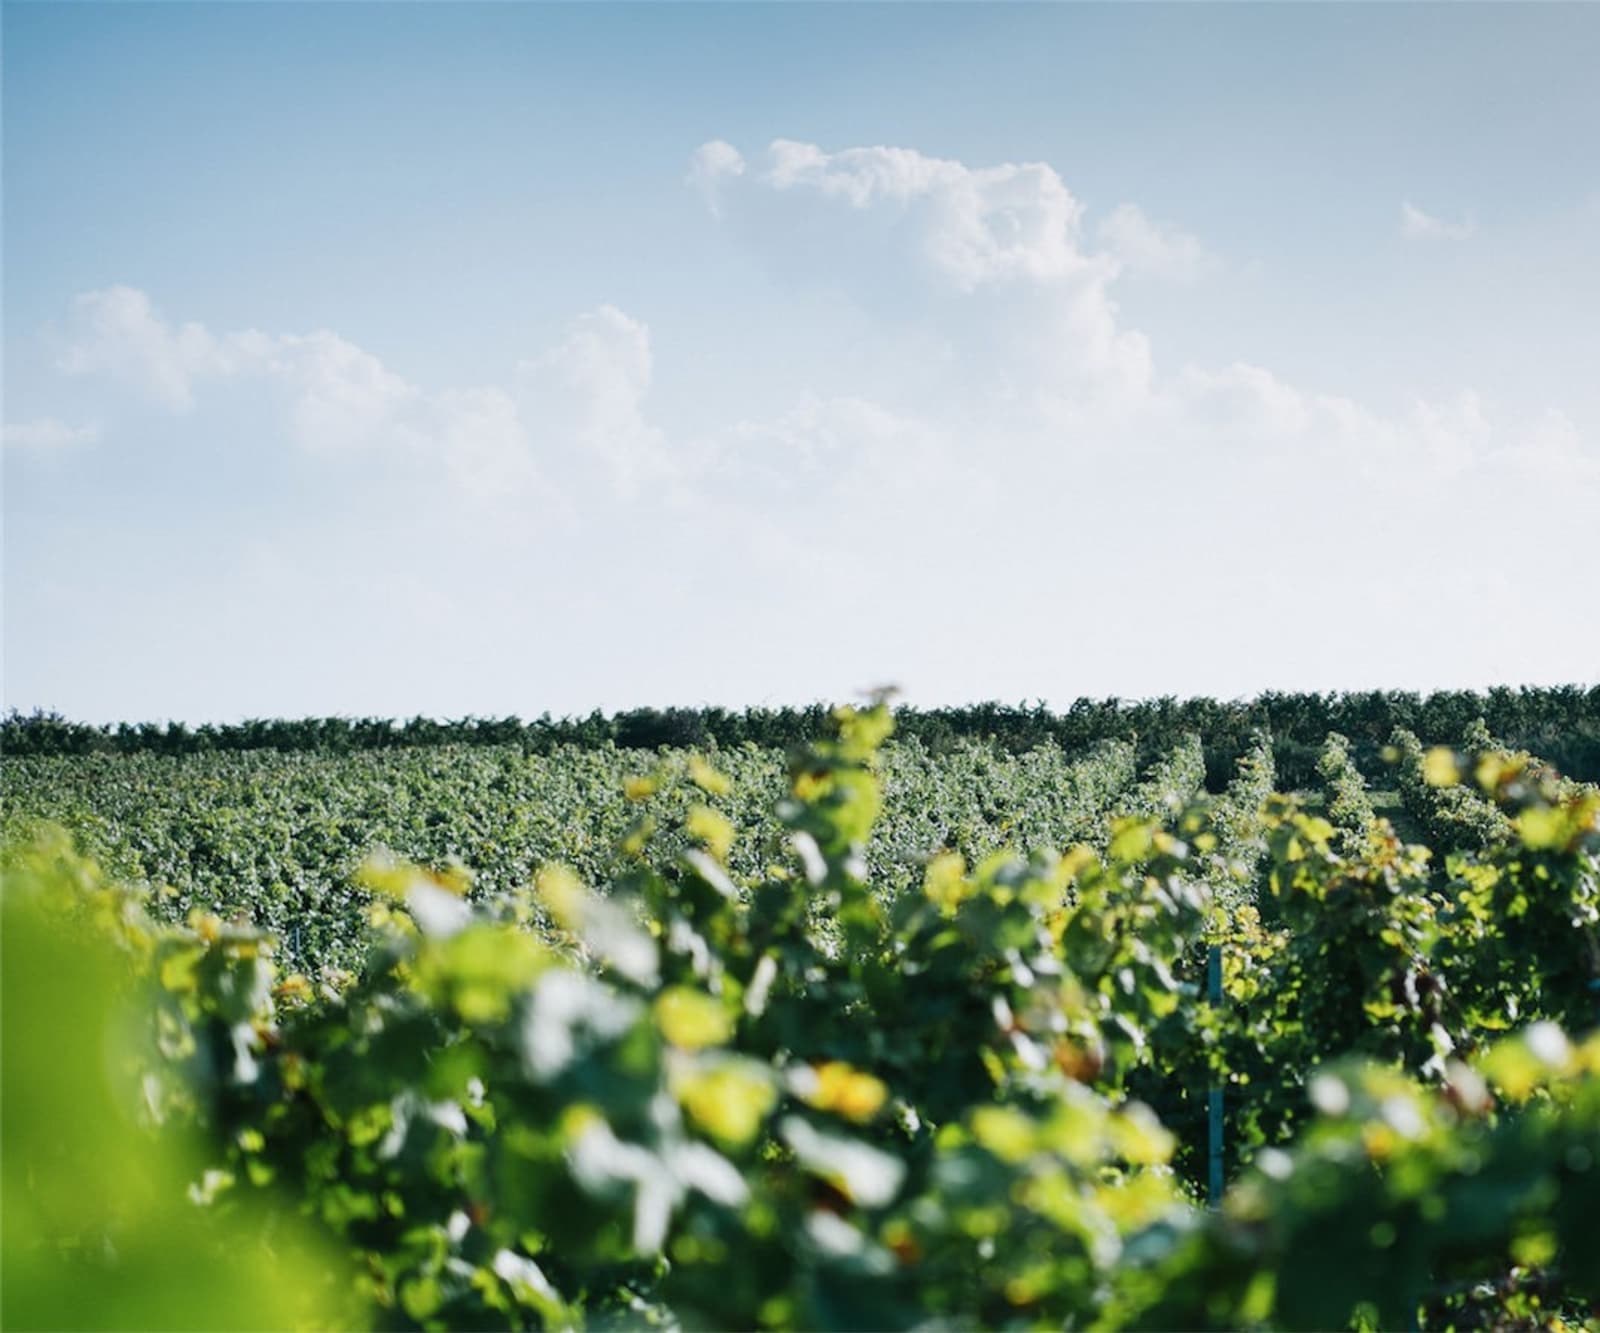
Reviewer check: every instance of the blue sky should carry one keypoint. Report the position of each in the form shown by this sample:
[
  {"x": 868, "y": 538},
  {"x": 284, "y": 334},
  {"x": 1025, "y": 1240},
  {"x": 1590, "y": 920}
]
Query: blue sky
[{"x": 447, "y": 359}]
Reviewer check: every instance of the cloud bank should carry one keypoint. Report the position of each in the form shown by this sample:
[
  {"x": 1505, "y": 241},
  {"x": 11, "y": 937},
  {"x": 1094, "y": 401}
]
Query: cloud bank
[
  {"x": 1016, "y": 462},
  {"x": 1038, "y": 342},
  {"x": 1040, "y": 373}
]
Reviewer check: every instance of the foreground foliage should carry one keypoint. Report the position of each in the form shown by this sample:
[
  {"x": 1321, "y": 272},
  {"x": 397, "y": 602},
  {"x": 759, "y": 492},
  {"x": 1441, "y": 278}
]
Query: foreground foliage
[{"x": 755, "y": 1086}]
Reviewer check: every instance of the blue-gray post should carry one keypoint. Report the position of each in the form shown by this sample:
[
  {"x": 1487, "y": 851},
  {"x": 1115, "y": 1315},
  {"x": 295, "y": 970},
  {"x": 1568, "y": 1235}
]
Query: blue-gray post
[{"x": 1214, "y": 1099}]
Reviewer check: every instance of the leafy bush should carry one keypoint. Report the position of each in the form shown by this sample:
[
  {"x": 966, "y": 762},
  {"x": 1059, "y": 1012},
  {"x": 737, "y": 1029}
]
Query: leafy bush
[{"x": 1349, "y": 808}]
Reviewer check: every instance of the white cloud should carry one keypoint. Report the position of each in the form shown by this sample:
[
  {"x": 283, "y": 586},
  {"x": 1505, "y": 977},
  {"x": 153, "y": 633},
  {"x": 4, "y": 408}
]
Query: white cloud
[
  {"x": 979, "y": 480},
  {"x": 847, "y": 450},
  {"x": 1240, "y": 400},
  {"x": 970, "y": 227},
  {"x": 581, "y": 400},
  {"x": 118, "y": 332},
  {"x": 1154, "y": 249},
  {"x": 343, "y": 397},
  {"x": 485, "y": 447},
  {"x": 711, "y": 163},
  {"x": 1044, "y": 374},
  {"x": 340, "y": 395},
  {"x": 1415, "y": 225},
  {"x": 1550, "y": 450},
  {"x": 588, "y": 394},
  {"x": 823, "y": 431},
  {"x": 48, "y": 433},
  {"x": 991, "y": 256},
  {"x": 607, "y": 359},
  {"x": 1454, "y": 436}
]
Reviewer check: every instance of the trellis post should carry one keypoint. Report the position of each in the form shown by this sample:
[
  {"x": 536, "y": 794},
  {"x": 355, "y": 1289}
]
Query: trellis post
[{"x": 1214, "y": 1097}]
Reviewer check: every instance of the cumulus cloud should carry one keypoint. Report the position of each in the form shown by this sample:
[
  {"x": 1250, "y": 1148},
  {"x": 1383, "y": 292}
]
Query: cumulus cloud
[
  {"x": 1550, "y": 449},
  {"x": 1043, "y": 368},
  {"x": 1415, "y": 225},
  {"x": 711, "y": 163},
  {"x": 48, "y": 433},
  {"x": 119, "y": 333},
  {"x": 589, "y": 393},
  {"x": 1251, "y": 416},
  {"x": 823, "y": 431},
  {"x": 340, "y": 395},
  {"x": 1240, "y": 400},
  {"x": 343, "y": 397},
  {"x": 485, "y": 447},
  {"x": 846, "y": 448},
  {"x": 970, "y": 227},
  {"x": 1453, "y": 435},
  {"x": 580, "y": 401},
  {"x": 1154, "y": 249},
  {"x": 993, "y": 256},
  {"x": 1037, "y": 372}
]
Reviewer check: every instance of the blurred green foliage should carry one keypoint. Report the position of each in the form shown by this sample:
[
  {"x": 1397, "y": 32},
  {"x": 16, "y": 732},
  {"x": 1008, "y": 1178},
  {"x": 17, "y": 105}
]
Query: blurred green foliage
[{"x": 99, "y": 1227}]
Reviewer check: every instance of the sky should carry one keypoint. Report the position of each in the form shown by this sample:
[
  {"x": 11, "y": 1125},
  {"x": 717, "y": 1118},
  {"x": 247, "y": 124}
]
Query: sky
[{"x": 483, "y": 359}]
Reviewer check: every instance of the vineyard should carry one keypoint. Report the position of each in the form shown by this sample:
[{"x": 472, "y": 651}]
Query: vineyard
[{"x": 1267, "y": 1015}]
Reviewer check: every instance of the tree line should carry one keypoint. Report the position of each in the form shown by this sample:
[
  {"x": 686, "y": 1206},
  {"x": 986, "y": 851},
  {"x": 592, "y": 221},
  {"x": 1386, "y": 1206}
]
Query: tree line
[{"x": 1559, "y": 723}]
